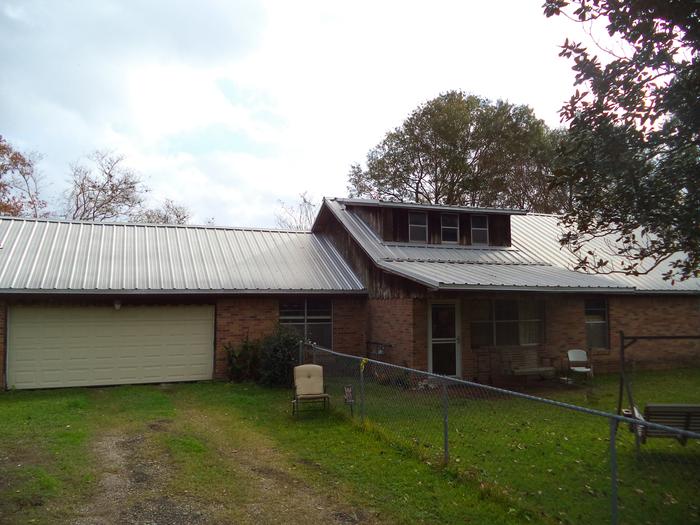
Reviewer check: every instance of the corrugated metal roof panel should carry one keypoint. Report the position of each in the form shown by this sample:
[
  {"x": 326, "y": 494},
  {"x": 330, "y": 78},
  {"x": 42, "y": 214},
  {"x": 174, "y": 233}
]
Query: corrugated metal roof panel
[
  {"x": 498, "y": 276},
  {"x": 540, "y": 234},
  {"x": 378, "y": 249},
  {"x": 61, "y": 256},
  {"x": 535, "y": 261}
]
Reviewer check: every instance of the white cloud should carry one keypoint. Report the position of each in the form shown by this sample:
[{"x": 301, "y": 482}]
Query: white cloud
[{"x": 232, "y": 106}]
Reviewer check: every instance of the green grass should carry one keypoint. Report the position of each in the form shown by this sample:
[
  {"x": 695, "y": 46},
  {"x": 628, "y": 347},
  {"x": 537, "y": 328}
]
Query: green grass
[
  {"x": 48, "y": 469},
  {"x": 327, "y": 449},
  {"x": 43, "y": 437},
  {"x": 512, "y": 461},
  {"x": 549, "y": 458}
]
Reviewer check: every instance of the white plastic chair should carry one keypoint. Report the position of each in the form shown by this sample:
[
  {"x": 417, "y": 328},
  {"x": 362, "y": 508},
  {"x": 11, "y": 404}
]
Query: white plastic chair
[{"x": 579, "y": 362}]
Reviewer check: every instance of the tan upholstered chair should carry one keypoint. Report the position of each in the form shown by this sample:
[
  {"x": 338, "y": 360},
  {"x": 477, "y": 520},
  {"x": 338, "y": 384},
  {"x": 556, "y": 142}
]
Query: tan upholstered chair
[{"x": 308, "y": 387}]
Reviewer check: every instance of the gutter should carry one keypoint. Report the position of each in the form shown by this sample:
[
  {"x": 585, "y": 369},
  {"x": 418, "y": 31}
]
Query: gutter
[{"x": 155, "y": 291}]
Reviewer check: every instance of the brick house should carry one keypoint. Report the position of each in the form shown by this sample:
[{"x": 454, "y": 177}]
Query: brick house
[
  {"x": 458, "y": 291},
  {"x": 448, "y": 289}
]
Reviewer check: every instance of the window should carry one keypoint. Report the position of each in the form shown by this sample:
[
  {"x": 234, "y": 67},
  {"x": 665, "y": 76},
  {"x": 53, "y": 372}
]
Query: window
[
  {"x": 596, "y": 311},
  {"x": 506, "y": 323},
  {"x": 417, "y": 227},
  {"x": 450, "y": 228},
  {"x": 480, "y": 229},
  {"x": 312, "y": 319}
]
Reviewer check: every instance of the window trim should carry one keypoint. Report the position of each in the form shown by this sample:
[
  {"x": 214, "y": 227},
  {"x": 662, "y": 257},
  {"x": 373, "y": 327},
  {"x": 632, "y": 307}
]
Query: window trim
[
  {"x": 305, "y": 321},
  {"x": 424, "y": 214},
  {"x": 606, "y": 322},
  {"x": 486, "y": 229},
  {"x": 443, "y": 228}
]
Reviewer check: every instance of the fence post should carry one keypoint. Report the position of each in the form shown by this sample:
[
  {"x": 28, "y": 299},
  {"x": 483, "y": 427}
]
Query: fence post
[
  {"x": 613, "y": 471},
  {"x": 445, "y": 425},
  {"x": 301, "y": 352},
  {"x": 362, "y": 392},
  {"x": 313, "y": 354}
]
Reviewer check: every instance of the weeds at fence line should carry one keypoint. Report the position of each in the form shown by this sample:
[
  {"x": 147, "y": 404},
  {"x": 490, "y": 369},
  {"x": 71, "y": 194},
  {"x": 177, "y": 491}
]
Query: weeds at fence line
[{"x": 547, "y": 458}]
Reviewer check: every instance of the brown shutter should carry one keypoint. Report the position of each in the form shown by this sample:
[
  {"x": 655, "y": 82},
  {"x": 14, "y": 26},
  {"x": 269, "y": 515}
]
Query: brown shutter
[
  {"x": 388, "y": 233},
  {"x": 434, "y": 228},
  {"x": 465, "y": 229},
  {"x": 401, "y": 225},
  {"x": 499, "y": 226}
]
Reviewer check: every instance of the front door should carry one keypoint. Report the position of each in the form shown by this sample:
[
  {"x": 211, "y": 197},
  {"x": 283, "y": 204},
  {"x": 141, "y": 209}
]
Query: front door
[{"x": 443, "y": 345}]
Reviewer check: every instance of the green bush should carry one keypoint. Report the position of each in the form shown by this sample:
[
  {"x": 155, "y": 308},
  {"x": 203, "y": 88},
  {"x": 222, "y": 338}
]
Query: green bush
[
  {"x": 243, "y": 361},
  {"x": 279, "y": 355}
]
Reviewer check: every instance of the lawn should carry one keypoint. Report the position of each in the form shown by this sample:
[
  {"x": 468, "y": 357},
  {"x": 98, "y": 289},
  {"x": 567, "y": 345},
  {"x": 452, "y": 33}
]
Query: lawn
[
  {"x": 213, "y": 453},
  {"x": 545, "y": 459},
  {"x": 222, "y": 453}
]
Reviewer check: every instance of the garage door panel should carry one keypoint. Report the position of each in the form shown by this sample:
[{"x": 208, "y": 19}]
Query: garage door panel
[{"x": 77, "y": 346}]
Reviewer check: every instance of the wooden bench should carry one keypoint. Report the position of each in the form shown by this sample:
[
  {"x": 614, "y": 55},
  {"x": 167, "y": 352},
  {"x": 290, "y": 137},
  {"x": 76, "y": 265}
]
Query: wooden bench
[
  {"x": 524, "y": 361},
  {"x": 681, "y": 416}
]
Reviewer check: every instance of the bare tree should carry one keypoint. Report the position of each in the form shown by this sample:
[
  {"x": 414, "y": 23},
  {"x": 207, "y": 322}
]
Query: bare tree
[
  {"x": 298, "y": 216},
  {"x": 168, "y": 213},
  {"x": 19, "y": 182},
  {"x": 105, "y": 189}
]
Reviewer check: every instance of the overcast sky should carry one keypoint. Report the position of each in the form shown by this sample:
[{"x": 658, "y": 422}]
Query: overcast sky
[{"x": 231, "y": 106}]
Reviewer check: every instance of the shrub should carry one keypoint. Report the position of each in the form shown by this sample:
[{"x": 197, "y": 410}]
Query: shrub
[
  {"x": 243, "y": 361},
  {"x": 279, "y": 355}
]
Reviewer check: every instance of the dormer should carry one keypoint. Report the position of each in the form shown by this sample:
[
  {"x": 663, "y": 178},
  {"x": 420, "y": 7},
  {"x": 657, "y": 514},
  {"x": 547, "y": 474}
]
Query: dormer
[{"x": 430, "y": 224}]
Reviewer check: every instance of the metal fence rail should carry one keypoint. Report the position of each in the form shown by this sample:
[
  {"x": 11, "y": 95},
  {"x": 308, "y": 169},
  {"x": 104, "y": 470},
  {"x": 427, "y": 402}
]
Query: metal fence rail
[{"x": 567, "y": 462}]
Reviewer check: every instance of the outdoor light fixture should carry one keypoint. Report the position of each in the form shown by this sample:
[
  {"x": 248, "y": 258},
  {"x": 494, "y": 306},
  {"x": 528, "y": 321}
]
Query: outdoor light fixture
[{"x": 117, "y": 304}]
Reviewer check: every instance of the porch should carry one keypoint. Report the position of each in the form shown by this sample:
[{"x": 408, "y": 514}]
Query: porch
[{"x": 501, "y": 339}]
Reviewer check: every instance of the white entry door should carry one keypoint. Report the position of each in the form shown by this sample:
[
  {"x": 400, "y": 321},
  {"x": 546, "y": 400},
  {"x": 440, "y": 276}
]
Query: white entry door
[
  {"x": 59, "y": 346},
  {"x": 444, "y": 356}
]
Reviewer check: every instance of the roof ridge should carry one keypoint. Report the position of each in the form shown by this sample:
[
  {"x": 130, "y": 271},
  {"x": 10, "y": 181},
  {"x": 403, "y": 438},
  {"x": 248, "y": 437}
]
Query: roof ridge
[
  {"x": 539, "y": 214},
  {"x": 423, "y": 205},
  {"x": 466, "y": 247},
  {"x": 152, "y": 225},
  {"x": 452, "y": 261}
]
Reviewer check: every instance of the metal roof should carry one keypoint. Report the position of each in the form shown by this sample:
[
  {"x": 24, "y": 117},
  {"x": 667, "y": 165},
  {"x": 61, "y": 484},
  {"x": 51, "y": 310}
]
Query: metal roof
[
  {"x": 78, "y": 257},
  {"x": 455, "y": 276},
  {"x": 378, "y": 249},
  {"x": 536, "y": 260},
  {"x": 419, "y": 206},
  {"x": 540, "y": 234}
]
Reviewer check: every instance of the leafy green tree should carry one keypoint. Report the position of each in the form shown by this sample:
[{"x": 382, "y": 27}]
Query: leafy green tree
[
  {"x": 465, "y": 150},
  {"x": 632, "y": 156}
]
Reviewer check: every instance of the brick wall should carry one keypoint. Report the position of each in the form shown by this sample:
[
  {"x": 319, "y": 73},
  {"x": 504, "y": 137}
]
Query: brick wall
[
  {"x": 3, "y": 343},
  {"x": 391, "y": 321},
  {"x": 420, "y": 334},
  {"x": 239, "y": 319},
  {"x": 565, "y": 326},
  {"x": 565, "y": 329},
  {"x": 654, "y": 315},
  {"x": 635, "y": 315},
  {"x": 253, "y": 318},
  {"x": 350, "y": 325}
]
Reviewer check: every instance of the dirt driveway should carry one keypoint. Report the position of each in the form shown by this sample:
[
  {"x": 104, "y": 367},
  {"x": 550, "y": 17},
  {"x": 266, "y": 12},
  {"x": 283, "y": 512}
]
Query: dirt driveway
[
  {"x": 137, "y": 482},
  {"x": 153, "y": 456}
]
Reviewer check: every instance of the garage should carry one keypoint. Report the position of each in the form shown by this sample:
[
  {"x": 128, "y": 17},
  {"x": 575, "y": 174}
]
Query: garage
[{"x": 63, "y": 346}]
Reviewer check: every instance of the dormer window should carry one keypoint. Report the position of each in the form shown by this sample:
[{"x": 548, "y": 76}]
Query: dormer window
[
  {"x": 480, "y": 229},
  {"x": 449, "y": 228},
  {"x": 417, "y": 227}
]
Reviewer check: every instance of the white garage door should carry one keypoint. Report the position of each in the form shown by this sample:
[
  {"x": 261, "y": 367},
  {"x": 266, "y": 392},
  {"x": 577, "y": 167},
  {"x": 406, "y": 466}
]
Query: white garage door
[{"x": 79, "y": 346}]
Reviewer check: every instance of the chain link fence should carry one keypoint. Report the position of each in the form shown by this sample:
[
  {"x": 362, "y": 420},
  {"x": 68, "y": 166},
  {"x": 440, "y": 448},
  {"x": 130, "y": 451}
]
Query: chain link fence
[{"x": 546, "y": 460}]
